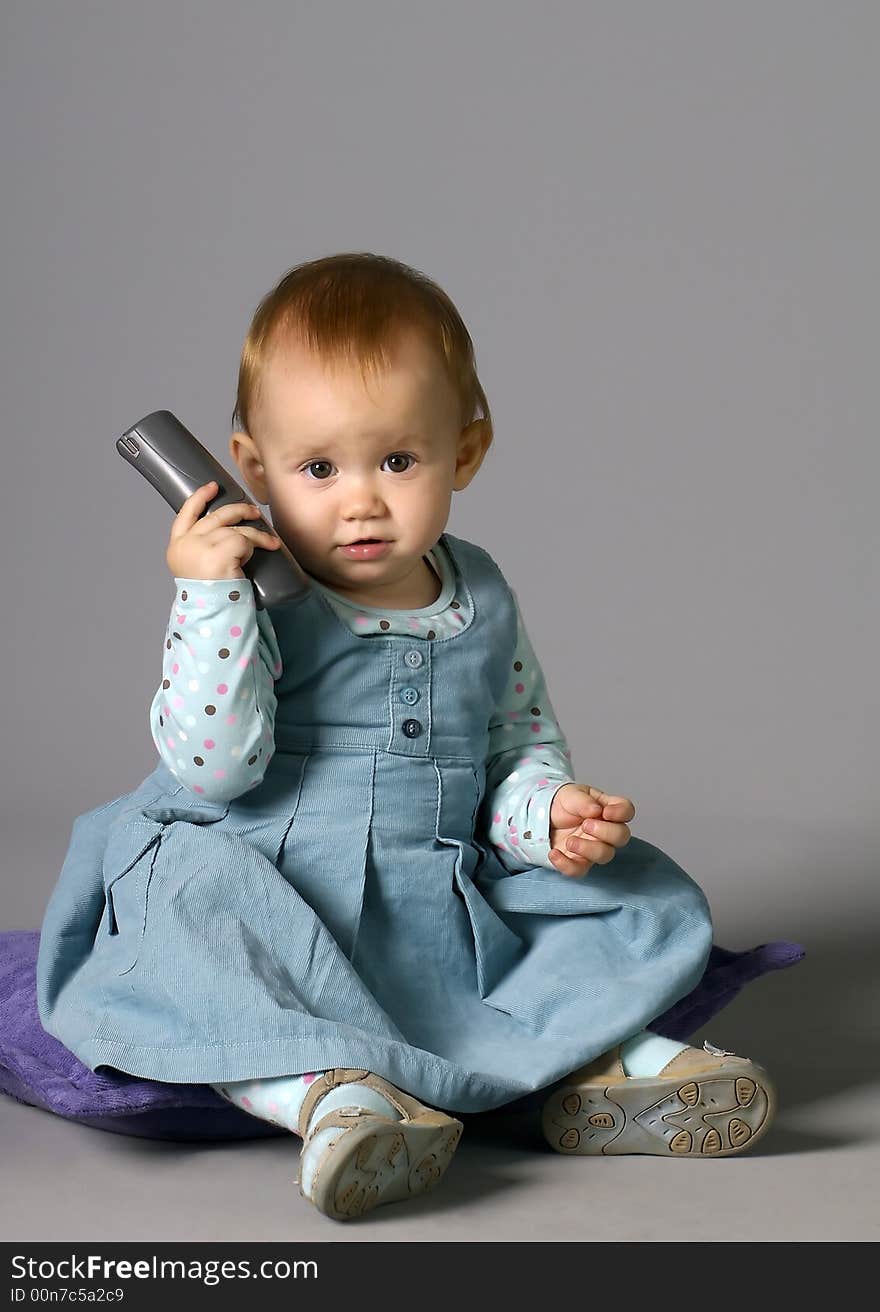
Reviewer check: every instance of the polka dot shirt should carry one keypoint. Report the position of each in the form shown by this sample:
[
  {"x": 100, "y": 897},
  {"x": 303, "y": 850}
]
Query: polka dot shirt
[{"x": 213, "y": 717}]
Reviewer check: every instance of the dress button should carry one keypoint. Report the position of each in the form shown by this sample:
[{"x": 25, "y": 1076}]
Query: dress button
[
  {"x": 412, "y": 728},
  {"x": 414, "y": 659},
  {"x": 409, "y": 695}
]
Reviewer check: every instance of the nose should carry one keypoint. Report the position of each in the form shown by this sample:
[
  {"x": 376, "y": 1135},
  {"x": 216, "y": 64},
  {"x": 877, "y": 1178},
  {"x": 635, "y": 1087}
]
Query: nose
[{"x": 362, "y": 499}]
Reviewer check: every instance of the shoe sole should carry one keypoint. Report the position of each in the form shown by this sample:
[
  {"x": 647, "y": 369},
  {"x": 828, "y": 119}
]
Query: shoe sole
[
  {"x": 712, "y": 1115},
  {"x": 380, "y": 1161}
]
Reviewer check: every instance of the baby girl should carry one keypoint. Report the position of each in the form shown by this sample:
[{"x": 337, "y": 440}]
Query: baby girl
[{"x": 363, "y": 892}]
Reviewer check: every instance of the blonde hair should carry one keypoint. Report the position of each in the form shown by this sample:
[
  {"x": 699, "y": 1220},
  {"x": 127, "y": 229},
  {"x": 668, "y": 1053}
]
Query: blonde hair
[{"x": 351, "y": 306}]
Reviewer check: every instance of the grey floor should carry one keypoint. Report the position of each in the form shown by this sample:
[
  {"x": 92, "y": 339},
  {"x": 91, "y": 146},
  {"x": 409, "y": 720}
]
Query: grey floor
[{"x": 813, "y": 1178}]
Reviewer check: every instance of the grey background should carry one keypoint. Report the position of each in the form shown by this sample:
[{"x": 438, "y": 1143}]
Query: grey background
[{"x": 659, "y": 223}]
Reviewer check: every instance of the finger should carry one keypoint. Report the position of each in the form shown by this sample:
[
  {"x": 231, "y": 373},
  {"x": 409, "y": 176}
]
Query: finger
[
  {"x": 192, "y": 509},
  {"x": 606, "y": 799},
  {"x": 567, "y": 865},
  {"x": 589, "y": 849},
  {"x": 622, "y": 807},
  {"x": 577, "y": 802},
  {"x": 606, "y": 831},
  {"x": 230, "y": 514},
  {"x": 257, "y": 535}
]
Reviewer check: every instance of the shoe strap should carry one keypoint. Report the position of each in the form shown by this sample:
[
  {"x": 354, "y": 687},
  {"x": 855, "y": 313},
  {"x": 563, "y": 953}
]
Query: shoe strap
[
  {"x": 408, "y": 1106},
  {"x": 319, "y": 1087}
]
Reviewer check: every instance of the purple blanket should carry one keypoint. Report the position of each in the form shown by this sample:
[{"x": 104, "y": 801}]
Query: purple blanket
[{"x": 36, "y": 1069}]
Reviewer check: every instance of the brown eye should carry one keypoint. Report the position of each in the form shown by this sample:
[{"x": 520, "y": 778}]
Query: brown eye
[
  {"x": 400, "y": 455},
  {"x": 319, "y": 464}
]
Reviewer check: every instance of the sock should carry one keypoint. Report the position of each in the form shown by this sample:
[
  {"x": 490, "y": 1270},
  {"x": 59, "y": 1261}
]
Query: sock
[
  {"x": 646, "y": 1054},
  {"x": 277, "y": 1099},
  {"x": 360, "y": 1096},
  {"x": 280, "y": 1098}
]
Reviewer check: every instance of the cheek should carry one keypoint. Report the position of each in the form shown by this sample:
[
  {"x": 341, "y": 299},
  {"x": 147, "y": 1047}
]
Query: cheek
[
  {"x": 299, "y": 516},
  {"x": 282, "y": 495}
]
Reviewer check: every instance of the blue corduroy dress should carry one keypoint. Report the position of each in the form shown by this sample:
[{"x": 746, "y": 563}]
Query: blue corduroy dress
[{"x": 348, "y": 911}]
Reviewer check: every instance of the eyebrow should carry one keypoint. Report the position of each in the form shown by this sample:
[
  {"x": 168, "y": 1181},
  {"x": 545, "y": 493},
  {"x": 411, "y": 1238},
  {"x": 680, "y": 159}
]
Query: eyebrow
[{"x": 296, "y": 450}]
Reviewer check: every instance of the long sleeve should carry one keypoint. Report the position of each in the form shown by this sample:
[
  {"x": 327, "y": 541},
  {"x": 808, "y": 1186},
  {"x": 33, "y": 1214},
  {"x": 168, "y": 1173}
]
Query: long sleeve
[
  {"x": 213, "y": 717},
  {"x": 528, "y": 760}
]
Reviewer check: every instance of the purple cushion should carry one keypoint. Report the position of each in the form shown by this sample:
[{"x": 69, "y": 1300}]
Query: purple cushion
[{"x": 36, "y": 1069}]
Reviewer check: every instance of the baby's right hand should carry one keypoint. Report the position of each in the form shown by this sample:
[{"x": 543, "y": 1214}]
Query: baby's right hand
[{"x": 216, "y": 545}]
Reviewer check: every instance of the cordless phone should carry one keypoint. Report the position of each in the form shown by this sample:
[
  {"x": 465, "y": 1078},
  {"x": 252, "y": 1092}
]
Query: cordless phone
[{"x": 176, "y": 463}]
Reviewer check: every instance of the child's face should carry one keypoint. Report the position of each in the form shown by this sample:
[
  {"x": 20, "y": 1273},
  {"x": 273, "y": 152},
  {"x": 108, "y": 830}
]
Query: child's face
[{"x": 336, "y": 463}]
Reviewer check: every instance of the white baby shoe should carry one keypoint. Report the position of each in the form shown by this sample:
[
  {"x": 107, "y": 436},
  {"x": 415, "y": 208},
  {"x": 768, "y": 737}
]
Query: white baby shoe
[
  {"x": 702, "y": 1103},
  {"x": 366, "y": 1143}
]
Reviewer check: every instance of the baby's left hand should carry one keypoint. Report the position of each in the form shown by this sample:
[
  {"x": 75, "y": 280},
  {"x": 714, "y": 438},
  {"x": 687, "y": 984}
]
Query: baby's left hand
[{"x": 587, "y": 827}]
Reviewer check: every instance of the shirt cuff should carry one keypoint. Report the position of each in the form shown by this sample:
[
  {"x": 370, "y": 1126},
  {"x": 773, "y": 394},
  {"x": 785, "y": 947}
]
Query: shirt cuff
[{"x": 534, "y": 837}]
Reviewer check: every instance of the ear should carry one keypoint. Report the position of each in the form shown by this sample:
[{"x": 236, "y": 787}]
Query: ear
[
  {"x": 473, "y": 443},
  {"x": 246, "y": 455}
]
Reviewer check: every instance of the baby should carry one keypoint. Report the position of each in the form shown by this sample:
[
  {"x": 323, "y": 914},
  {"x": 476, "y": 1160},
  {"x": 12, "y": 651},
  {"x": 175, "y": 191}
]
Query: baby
[{"x": 362, "y": 890}]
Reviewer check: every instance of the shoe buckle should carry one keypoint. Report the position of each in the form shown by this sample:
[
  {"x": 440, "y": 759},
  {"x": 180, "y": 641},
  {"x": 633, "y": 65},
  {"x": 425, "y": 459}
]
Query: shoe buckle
[{"x": 716, "y": 1052}]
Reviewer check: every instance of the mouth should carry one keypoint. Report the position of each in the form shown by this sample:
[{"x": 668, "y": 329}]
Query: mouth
[{"x": 365, "y": 548}]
